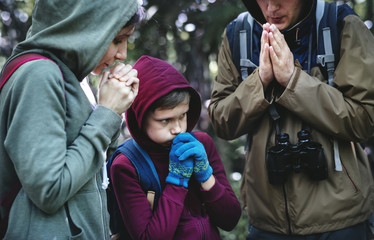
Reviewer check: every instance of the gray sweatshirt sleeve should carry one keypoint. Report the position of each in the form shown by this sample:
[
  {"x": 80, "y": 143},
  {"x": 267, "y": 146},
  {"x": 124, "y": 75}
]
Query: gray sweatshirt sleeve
[{"x": 51, "y": 167}]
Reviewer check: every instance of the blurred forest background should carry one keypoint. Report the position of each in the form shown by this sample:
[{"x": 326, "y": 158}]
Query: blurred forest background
[{"x": 186, "y": 33}]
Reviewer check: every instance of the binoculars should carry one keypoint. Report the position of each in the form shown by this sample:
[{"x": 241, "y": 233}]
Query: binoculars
[{"x": 306, "y": 155}]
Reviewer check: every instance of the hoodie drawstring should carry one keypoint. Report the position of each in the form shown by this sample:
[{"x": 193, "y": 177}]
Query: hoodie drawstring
[
  {"x": 105, "y": 183},
  {"x": 91, "y": 98}
]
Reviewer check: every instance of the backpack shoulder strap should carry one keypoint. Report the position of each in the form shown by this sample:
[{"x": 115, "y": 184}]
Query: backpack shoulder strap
[
  {"x": 328, "y": 44},
  {"x": 147, "y": 176},
  {"x": 328, "y": 27},
  {"x": 242, "y": 44},
  {"x": 149, "y": 181},
  {"x": 143, "y": 164},
  {"x": 14, "y": 64}
]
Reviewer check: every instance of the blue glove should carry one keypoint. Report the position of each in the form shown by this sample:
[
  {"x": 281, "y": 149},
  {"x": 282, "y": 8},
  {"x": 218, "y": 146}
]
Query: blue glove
[
  {"x": 194, "y": 149},
  {"x": 179, "y": 171}
]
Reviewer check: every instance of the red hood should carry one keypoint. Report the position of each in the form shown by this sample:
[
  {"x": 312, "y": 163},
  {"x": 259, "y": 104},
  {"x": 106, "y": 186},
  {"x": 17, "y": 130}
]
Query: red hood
[{"x": 157, "y": 78}]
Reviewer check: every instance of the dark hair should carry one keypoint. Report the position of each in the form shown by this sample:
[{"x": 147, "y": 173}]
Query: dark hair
[
  {"x": 137, "y": 17},
  {"x": 171, "y": 100}
]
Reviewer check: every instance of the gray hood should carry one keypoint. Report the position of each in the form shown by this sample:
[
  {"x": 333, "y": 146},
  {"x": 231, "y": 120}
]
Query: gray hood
[{"x": 78, "y": 32}]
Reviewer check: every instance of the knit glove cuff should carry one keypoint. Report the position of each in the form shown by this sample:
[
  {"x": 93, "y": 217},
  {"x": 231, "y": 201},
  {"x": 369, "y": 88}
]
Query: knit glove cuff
[
  {"x": 177, "y": 179},
  {"x": 202, "y": 171}
]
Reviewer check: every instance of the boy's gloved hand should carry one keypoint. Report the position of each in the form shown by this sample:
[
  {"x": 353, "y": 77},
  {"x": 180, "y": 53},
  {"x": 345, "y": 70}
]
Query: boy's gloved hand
[
  {"x": 179, "y": 171},
  {"x": 194, "y": 149}
]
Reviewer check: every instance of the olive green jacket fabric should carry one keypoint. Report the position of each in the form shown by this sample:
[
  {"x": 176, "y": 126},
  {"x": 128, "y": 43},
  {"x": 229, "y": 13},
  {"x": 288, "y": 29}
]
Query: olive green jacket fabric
[
  {"x": 344, "y": 113},
  {"x": 51, "y": 139}
]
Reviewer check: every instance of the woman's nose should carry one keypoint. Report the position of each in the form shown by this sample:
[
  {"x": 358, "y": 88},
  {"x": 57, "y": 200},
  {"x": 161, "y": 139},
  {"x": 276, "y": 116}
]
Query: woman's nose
[{"x": 122, "y": 51}]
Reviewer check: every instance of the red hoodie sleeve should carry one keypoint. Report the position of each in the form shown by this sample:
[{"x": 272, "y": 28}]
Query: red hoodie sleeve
[
  {"x": 139, "y": 219},
  {"x": 221, "y": 202}
]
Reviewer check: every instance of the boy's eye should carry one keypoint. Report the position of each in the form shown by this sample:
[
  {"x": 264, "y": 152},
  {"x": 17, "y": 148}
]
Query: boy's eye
[{"x": 183, "y": 115}]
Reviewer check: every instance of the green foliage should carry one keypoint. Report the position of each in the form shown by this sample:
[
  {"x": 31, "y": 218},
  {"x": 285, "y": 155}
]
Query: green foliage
[{"x": 15, "y": 19}]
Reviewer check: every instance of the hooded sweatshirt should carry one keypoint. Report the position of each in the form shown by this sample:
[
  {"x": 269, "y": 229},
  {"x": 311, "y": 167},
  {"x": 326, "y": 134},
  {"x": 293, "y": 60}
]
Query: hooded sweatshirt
[
  {"x": 50, "y": 137},
  {"x": 181, "y": 213},
  {"x": 343, "y": 114}
]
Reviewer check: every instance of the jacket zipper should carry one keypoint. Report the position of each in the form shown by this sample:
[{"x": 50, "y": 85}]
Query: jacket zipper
[
  {"x": 202, "y": 229},
  {"x": 349, "y": 177},
  {"x": 286, "y": 210},
  {"x": 286, "y": 202},
  {"x": 101, "y": 206}
]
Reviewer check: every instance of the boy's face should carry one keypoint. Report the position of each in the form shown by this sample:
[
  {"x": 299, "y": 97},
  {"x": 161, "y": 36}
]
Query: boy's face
[{"x": 163, "y": 125}]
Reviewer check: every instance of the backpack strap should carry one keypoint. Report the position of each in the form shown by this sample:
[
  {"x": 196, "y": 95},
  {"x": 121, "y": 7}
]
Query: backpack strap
[
  {"x": 242, "y": 47},
  {"x": 14, "y": 64},
  {"x": 148, "y": 181},
  {"x": 143, "y": 164},
  {"x": 327, "y": 43},
  {"x": 147, "y": 176},
  {"x": 8, "y": 198}
]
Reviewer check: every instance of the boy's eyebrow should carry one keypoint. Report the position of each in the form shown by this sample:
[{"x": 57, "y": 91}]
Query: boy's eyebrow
[{"x": 161, "y": 118}]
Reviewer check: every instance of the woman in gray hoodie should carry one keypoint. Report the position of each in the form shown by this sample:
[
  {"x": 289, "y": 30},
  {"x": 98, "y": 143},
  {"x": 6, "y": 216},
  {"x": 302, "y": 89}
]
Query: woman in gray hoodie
[{"x": 52, "y": 140}]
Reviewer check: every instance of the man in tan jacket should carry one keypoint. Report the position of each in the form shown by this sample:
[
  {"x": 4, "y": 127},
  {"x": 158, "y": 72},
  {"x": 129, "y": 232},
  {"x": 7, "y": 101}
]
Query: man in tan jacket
[{"x": 292, "y": 189}]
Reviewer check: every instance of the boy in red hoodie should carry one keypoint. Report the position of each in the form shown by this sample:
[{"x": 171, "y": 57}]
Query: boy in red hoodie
[{"x": 196, "y": 196}]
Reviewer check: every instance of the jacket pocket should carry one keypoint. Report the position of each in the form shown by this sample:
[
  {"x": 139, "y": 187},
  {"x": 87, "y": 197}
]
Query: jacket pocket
[{"x": 76, "y": 232}]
